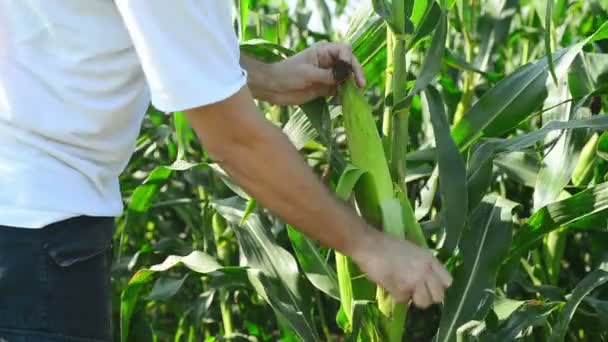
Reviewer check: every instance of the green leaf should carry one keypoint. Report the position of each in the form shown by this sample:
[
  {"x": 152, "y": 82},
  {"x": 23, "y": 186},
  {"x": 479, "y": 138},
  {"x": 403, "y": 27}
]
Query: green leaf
[
  {"x": 197, "y": 261},
  {"x": 143, "y": 194},
  {"x": 583, "y": 205},
  {"x": 512, "y": 100},
  {"x": 588, "y": 74},
  {"x": 317, "y": 112},
  {"x": 426, "y": 26},
  {"x": 166, "y": 287},
  {"x": 521, "y": 167},
  {"x": 431, "y": 65},
  {"x": 350, "y": 289},
  {"x": 518, "y": 322},
  {"x": 452, "y": 171},
  {"x": 432, "y": 60},
  {"x": 427, "y": 195},
  {"x": 382, "y": 8},
  {"x": 183, "y": 132},
  {"x": 273, "y": 271},
  {"x": 480, "y": 163},
  {"x": 483, "y": 245},
  {"x": 128, "y": 300},
  {"x": 602, "y": 146},
  {"x": 548, "y": 44},
  {"x": 244, "y": 16},
  {"x": 316, "y": 269},
  {"x": 561, "y": 155},
  {"x": 588, "y": 284}
]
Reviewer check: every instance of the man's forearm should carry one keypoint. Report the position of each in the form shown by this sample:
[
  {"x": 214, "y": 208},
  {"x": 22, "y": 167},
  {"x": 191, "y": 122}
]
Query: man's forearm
[{"x": 260, "y": 158}]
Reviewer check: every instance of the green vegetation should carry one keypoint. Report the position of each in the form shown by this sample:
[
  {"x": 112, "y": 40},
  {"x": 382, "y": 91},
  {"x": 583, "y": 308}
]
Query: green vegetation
[{"x": 480, "y": 133}]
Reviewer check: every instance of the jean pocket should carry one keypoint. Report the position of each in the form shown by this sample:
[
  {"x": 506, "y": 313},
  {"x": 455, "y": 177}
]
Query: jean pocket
[{"x": 79, "y": 240}]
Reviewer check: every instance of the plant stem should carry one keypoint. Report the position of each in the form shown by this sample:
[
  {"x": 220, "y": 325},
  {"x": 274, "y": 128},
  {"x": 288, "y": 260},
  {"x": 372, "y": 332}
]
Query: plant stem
[
  {"x": 223, "y": 254},
  {"x": 387, "y": 120},
  {"x": 395, "y": 128},
  {"x": 399, "y": 141},
  {"x": 324, "y": 325}
]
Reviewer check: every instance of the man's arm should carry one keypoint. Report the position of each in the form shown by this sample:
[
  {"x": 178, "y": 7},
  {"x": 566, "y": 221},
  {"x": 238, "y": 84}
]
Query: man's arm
[{"x": 260, "y": 158}]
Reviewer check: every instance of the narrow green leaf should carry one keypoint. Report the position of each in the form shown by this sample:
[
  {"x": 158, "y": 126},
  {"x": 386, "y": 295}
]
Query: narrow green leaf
[
  {"x": 143, "y": 194},
  {"x": 273, "y": 271},
  {"x": 562, "y": 154},
  {"x": 548, "y": 38},
  {"x": 452, "y": 171},
  {"x": 562, "y": 213},
  {"x": 528, "y": 315},
  {"x": 432, "y": 62},
  {"x": 244, "y": 17},
  {"x": 128, "y": 300},
  {"x": 484, "y": 245},
  {"x": 589, "y": 283},
  {"x": 316, "y": 269}
]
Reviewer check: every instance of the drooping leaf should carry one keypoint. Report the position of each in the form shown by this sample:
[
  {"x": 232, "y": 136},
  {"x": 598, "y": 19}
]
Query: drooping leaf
[
  {"x": 196, "y": 261},
  {"x": 273, "y": 271},
  {"x": 166, "y": 287},
  {"x": 316, "y": 269}
]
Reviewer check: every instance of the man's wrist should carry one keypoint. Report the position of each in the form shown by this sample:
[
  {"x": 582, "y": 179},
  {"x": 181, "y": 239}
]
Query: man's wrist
[
  {"x": 360, "y": 239},
  {"x": 262, "y": 78}
]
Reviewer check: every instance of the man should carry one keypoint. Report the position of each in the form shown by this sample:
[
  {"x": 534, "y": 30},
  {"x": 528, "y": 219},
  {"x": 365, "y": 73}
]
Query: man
[{"x": 76, "y": 78}]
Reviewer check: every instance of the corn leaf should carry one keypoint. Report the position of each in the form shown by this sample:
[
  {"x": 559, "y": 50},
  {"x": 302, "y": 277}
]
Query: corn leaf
[
  {"x": 583, "y": 205},
  {"x": 562, "y": 154},
  {"x": 196, "y": 261},
  {"x": 589, "y": 283},
  {"x": 452, "y": 171},
  {"x": 484, "y": 245},
  {"x": 273, "y": 271},
  {"x": 316, "y": 269},
  {"x": 526, "y": 316}
]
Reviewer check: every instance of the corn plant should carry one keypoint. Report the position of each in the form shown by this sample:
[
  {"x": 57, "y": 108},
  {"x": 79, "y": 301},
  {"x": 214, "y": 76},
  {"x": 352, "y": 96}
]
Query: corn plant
[{"x": 480, "y": 135}]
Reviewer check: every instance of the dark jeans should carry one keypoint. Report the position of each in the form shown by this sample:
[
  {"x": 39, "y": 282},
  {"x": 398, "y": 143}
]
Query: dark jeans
[{"x": 55, "y": 282}]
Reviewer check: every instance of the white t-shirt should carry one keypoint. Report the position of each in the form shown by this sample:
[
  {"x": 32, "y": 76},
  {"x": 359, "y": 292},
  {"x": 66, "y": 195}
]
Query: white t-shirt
[{"x": 76, "y": 78}]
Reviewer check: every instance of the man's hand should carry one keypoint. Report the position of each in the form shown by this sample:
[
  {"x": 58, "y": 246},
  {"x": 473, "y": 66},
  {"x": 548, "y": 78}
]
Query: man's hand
[
  {"x": 302, "y": 77},
  {"x": 405, "y": 270}
]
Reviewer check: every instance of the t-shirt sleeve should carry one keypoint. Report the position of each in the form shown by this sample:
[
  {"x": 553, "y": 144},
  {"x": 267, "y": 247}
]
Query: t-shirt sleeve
[{"x": 188, "y": 50}]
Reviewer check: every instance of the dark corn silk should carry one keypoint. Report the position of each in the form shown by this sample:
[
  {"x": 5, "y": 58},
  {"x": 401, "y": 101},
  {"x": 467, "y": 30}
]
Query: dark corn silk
[{"x": 342, "y": 71}]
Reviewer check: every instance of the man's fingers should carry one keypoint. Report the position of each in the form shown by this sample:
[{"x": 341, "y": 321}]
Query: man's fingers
[
  {"x": 316, "y": 75},
  {"x": 422, "y": 297},
  {"x": 433, "y": 285},
  {"x": 359, "y": 74},
  {"x": 443, "y": 275},
  {"x": 345, "y": 53},
  {"x": 330, "y": 53}
]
